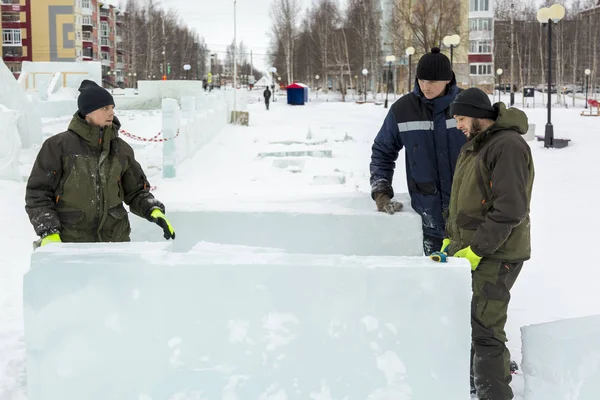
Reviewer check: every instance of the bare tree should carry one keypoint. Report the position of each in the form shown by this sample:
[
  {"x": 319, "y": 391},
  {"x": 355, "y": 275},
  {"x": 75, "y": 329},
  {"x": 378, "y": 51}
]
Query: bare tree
[
  {"x": 284, "y": 15},
  {"x": 426, "y": 22}
]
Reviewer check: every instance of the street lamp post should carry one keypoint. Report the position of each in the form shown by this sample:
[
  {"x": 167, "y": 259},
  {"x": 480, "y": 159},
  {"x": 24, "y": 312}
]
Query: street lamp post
[
  {"x": 546, "y": 16},
  {"x": 451, "y": 41},
  {"x": 409, "y": 52},
  {"x": 365, "y": 72},
  {"x": 235, "y": 60},
  {"x": 317, "y": 77},
  {"x": 187, "y": 68},
  {"x": 499, "y": 71},
  {"x": 587, "y": 84},
  {"x": 390, "y": 60},
  {"x": 512, "y": 53}
]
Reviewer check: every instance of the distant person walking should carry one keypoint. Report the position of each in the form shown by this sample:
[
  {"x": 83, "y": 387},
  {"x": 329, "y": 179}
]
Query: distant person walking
[{"x": 267, "y": 96}]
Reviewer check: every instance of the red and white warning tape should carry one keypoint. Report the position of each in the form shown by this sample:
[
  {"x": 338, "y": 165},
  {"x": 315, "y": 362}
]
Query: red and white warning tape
[{"x": 155, "y": 138}]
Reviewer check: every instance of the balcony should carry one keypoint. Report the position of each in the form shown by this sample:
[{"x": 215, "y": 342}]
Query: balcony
[
  {"x": 104, "y": 12},
  {"x": 8, "y": 2},
  {"x": 105, "y": 42},
  {"x": 119, "y": 65},
  {"x": 88, "y": 54},
  {"x": 12, "y": 52},
  {"x": 87, "y": 37},
  {"x": 106, "y": 63},
  {"x": 11, "y": 17},
  {"x": 118, "y": 38},
  {"x": 87, "y": 10}
]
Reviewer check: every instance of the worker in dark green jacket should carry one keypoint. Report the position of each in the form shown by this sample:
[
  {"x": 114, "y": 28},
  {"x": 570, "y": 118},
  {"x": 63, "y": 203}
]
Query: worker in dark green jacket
[
  {"x": 82, "y": 177},
  {"x": 488, "y": 224}
]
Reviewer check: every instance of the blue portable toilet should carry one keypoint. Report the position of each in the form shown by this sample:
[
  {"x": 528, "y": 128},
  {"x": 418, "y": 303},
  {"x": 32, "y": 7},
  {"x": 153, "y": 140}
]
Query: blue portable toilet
[{"x": 297, "y": 94}]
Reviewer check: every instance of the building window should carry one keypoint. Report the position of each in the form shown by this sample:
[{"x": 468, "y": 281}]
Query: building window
[
  {"x": 104, "y": 28},
  {"x": 11, "y": 17},
  {"x": 480, "y": 69},
  {"x": 480, "y": 24},
  {"x": 11, "y": 37},
  {"x": 12, "y": 52},
  {"x": 87, "y": 20},
  {"x": 79, "y": 35},
  {"x": 479, "y": 5},
  {"x": 86, "y": 3},
  {"x": 105, "y": 56},
  {"x": 480, "y": 46}
]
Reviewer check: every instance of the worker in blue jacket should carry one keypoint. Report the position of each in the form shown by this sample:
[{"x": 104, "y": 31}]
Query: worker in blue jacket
[{"x": 420, "y": 122}]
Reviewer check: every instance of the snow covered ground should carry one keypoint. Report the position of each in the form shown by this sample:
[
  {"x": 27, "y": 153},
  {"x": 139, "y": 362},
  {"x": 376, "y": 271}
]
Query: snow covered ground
[{"x": 558, "y": 282}]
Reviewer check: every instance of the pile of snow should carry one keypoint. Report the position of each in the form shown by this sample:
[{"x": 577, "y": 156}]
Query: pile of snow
[{"x": 12, "y": 96}]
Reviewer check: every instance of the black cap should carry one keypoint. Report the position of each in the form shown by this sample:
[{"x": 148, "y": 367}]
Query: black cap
[
  {"x": 92, "y": 97},
  {"x": 434, "y": 66},
  {"x": 474, "y": 103}
]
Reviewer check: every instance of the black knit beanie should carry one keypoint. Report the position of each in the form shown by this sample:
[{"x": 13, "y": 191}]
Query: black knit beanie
[
  {"x": 92, "y": 97},
  {"x": 474, "y": 103},
  {"x": 434, "y": 66}
]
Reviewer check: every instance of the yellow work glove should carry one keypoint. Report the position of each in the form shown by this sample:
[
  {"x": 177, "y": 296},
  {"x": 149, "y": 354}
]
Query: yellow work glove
[
  {"x": 445, "y": 244},
  {"x": 467, "y": 253},
  {"x": 159, "y": 218},
  {"x": 53, "y": 238}
]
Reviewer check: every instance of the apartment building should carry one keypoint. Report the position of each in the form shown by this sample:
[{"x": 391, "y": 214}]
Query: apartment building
[
  {"x": 481, "y": 42},
  {"x": 16, "y": 33},
  {"x": 65, "y": 31}
]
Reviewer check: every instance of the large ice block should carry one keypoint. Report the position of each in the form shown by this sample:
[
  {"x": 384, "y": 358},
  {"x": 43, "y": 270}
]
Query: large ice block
[
  {"x": 561, "y": 359},
  {"x": 136, "y": 321},
  {"x": 347, "y": 225},
  {"x": 13, "y": 96}
]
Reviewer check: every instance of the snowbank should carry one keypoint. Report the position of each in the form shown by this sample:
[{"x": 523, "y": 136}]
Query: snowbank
[
  {"x": 10, "y": 145},
  {"x": 136, "y": 321},
  {"x": 561, "y": 360}
]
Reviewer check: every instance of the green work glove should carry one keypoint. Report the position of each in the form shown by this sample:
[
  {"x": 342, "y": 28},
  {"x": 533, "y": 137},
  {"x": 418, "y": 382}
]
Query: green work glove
[
  {"x": 53, "y": 238},
  {"x": 159, "y": 218},
  {"x": 467, "y": 253},
  {"x": 445, "y": 244}
]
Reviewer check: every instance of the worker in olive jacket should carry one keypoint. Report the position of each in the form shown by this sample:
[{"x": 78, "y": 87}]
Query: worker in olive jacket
[
  {"x": 82, "y": 177},
  {"x": 488, "y": 224}
]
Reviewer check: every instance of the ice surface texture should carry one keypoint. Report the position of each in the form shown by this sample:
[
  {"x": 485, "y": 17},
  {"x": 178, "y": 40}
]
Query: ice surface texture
[
  {"x": 133, "y": 321},
  {"x": 561, "y": 360},
  {"x": 351, "y": 227}
]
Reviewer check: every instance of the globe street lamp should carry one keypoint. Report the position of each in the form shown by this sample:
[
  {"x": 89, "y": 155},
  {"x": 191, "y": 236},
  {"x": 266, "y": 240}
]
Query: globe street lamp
[
  {"x": 317, "y": 77},
  {"x": 499, "y": 71},
  {"x": 390, "y": 60},
  {"x": 187, "y": 68},
  {"x": 587, "y": 77},
  {"x": 409, "y": 52},
  {"x": 451, "y": 41},
  {"x": 365, "y": 72},
  {"x": 547, "y": 15}
]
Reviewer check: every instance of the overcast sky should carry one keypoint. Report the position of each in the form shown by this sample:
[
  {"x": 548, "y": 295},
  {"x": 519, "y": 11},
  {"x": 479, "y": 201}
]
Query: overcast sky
[{"x": 213, "y": 20}]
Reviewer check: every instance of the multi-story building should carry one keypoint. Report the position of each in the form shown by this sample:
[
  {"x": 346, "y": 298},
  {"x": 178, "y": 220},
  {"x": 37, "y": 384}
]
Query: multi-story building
[
  {"x": 481, "y": 42},
  {"x": 16, "y": 33},
  {"x": 65, "y": 31}
]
